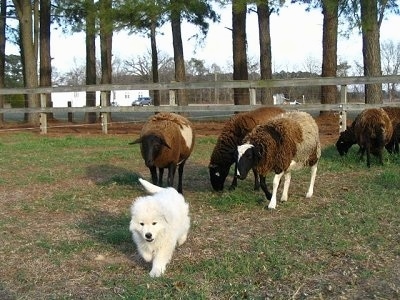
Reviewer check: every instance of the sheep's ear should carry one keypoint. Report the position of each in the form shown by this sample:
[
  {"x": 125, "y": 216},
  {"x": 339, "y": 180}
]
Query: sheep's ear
[
  {"x": 137, "y": 141},
  {"x": 258, "y": 152}
]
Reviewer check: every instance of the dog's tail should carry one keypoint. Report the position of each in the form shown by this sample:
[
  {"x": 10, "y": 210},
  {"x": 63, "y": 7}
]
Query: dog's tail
[{"x": 149, "y": 187}]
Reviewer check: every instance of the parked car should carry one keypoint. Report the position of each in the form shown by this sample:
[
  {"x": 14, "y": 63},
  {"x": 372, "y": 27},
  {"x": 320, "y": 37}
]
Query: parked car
[{"x": 142, "y": 101}]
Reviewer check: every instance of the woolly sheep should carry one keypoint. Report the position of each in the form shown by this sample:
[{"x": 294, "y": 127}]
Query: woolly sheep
[
  {"x": 371, "y": 130},
  {"x": 285, "y": 143},
  {"x": 347, "y": 138},
  {"x": 394, "y": 116},
  {"x": 233, "y": 132},
  {"x": 166, "y": 141}
]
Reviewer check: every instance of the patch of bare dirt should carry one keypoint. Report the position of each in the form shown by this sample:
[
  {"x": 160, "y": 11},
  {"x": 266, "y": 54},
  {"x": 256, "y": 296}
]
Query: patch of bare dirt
[{"x": 328, "y": 126}]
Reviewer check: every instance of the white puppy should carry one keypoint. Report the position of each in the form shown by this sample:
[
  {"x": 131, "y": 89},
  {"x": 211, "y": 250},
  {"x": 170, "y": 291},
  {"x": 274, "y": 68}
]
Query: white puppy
[{"x": 159, "y": 222}]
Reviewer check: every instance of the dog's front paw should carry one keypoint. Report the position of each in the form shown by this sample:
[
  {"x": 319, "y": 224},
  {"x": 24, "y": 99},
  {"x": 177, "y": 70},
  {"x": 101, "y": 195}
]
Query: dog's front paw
[{"x": 156, "y": 272}]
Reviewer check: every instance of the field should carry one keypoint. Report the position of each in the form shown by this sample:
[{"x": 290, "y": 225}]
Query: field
[{"x": 64, "y": 217}]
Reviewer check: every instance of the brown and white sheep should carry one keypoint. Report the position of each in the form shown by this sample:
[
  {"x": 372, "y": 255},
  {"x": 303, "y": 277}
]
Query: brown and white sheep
[
  {"x": 285, "y": 143},
  {"x": 373, "y": 130},
  {"x": 166, "y": 141},
  {"x": 232, "y": 134}
]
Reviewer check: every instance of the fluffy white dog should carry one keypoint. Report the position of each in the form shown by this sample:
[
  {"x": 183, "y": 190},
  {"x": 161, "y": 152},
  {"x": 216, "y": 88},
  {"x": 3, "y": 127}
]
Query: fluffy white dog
[{"x": 159, "y": 222}]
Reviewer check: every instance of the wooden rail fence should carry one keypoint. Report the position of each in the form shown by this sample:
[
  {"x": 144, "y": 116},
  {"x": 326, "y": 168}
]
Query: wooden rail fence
[{"x": 343, "y": 107}]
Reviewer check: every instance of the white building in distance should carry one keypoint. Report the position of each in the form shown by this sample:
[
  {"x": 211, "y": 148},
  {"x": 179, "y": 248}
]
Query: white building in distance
[{"x": 78, "y": 99}]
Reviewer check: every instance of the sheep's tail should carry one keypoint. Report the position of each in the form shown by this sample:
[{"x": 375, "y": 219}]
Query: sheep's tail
[{"x": 149, "y": 187}]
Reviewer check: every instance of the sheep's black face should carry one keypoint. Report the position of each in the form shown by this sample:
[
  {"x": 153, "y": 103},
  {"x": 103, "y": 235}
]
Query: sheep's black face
[
  {"x": 218, "y": 175},
  {"x": 151, "y": 148},
  {"x": 345, "y": 141},
  {"x": 246, "y": 160},
  {"x": 343, "y": 146}
]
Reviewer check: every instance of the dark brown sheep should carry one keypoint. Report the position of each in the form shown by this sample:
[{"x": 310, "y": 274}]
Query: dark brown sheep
[
  {"x": 233, "y": 132},
  {"x": 166, "y": 141},
  {"x": 394, "y": 116},
  {"x": 373, "y": 130}
]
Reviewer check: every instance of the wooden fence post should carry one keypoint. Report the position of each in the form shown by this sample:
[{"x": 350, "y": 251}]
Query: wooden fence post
[
  {"x": 104, "y": 115},
  {"x": 252, "y": 96},
  {"x": 43, "y": 116},
  {"x": 172, "y": 97},
  {"x": 343, "y": 112},
  {"x": 69, "y": 103}
]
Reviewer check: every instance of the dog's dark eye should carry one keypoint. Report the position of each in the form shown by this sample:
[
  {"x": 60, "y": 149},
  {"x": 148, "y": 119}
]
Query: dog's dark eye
[
  {"x": 141, "y": 223},
  {"x": 154, "y": 223}
]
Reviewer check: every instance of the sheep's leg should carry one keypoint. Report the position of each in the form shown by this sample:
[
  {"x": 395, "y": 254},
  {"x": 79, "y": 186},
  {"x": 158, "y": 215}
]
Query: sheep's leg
[
  {"x": 180, "y": 174},
  {"x": 160, "y": 177},
  {"x": 380, "y": 156},
  {"x": 171, "y": 174},
  {"x": 310, "y": 191},
  {"x": 361, "y": 151},
  {"x": 256, "y": 180},
  {"x": 368, "y": 157},
  {"x": 234, "y": 181},
  {"x": 153, "y": 172},
  {"x": 285, "y": 192},
  {"x": 264, "y": 187},
  {"x": 275, "y": 185}
]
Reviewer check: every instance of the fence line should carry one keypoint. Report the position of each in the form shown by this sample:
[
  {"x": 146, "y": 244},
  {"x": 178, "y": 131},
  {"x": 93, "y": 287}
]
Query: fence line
[
  {"x": 229, "y": 84},
  {"x": 104, "y": 110}
]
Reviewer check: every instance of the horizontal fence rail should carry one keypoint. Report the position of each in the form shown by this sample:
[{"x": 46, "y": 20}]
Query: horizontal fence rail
[
  {"x": 343, "y": 107},
  {"x": 251, "y": 84}
]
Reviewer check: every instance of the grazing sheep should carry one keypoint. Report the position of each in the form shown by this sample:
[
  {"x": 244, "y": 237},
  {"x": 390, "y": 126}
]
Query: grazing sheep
[
  {"x": 394, "y": 116},
  {"x": 285, "y": 143},
  {"x": 166, "y": 141},
  {"x": 347, "y": 138},
  {"x": 393, "y": 145},
  {"x": 373, "y": 130},
  {"x": 233, "y": 132}
]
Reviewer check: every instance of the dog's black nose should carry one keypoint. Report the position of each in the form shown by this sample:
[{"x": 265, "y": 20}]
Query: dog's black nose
[{"x": 148, "y": 235}]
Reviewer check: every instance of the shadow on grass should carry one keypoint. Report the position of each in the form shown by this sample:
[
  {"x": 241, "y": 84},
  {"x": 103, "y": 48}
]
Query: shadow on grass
[
  {"x": 5, "y": 294},
  {"x": 108, "y": 174},
  {"x": 112, "y": 231}
]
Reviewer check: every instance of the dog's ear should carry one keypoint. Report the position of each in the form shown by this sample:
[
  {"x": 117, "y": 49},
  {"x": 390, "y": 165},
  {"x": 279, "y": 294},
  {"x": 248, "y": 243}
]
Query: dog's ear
[{"x": 165, "y": 219}]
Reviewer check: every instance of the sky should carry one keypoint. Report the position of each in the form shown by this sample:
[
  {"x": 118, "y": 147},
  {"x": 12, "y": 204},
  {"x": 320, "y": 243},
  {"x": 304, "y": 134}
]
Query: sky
[{"x": 296, "y": 37}]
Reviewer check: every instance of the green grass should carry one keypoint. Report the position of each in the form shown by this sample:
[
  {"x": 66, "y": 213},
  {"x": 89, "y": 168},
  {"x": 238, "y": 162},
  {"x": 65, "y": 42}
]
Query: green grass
[{"x": 64, "y": 218}]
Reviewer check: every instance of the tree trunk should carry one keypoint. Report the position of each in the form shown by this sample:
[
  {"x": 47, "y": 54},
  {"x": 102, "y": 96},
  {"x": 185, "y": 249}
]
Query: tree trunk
[
  {"x": 45, "y": 57},
  {"x": 329, "y": 93},
  {"x": 371, "y": 49},
  {"x": 106, "y": 34},
  {"x": 180, "y": 73},
  {"x": 3, "y": 9},
  {"x": 90, "y": 117},
  {"x": 154, "y": 62},
  {"x": 27, "y": 44},
  {"x": 264, "y": 14},
  {"x": 240, "y": 72}
]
